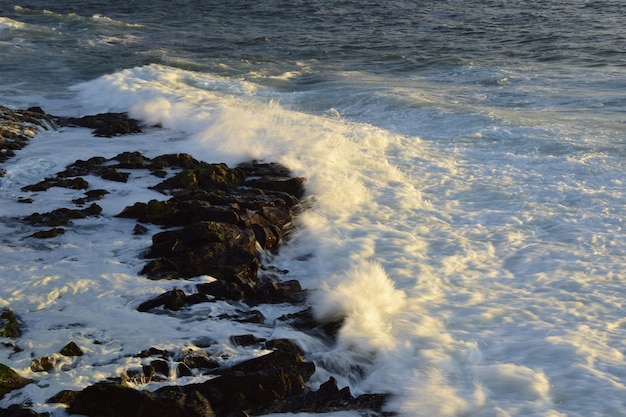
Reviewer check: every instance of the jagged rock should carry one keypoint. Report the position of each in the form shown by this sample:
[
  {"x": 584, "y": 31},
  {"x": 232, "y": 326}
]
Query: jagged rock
[
  {"x": 285, "y": 345},
  {"x": 47, "y": 234},
  {"x": 71, "y": 183},
  {"x": 43, "y": 364},
  {"x": 10, "y": 380},
  {"x": 17, "y": 127},
  {"x": 140, "y": 230},
  {"x": 252, "y": 316},
  {"x": 171, "y": 300},
  {"x": 104, "y": 125},
  {"x": 71, "y": 349},
  {"x": 200, "y": 360},
  {"x": 9, "y": 323},
  {"x": 62, "y": 216},
  {"x": 204, "y": 176},
  {"x": 18, "y": 410},
  {"x": 245, "y": 340},
  {"x": 91, "y": 195},
  {"x": 106, "y": 399}
]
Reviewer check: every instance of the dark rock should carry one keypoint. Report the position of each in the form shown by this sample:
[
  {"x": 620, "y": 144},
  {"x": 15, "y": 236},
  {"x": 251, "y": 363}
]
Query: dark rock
[
  {"x": 183, "y": 370},
  {"x": 23, "y": 200},
  {"x": 252, "y": 316},
  {"x": 9, "y": 323},
  {"x": 18, "y": 410},
  {"x": 154, "y": 211},
  {"x": 71, "y": 183},
  {"x": 284, "y": 345},
  {"x": 112, "y": 174},
  {"x": 201, "y": 360},
  {"x": 10, "y": 380},
  {"x": 71, "y": 349},
  {"x": 47, "y": 234},
  {"x": 280, "y": 292},
  {"x": 152, "y": 352},
  {"x": 245, "y": 340},
  {"x": 62, "y": 216},
  {"x": 62, "y": 397},
  {"x": 226, "y": 290},
  {"x": 112, "y": 400},
  {"x": 104, "y": 125},
  {"x": 204, "y": 176},
  {"x": 160, "y": 367},
  {"x": 170, "y": 300},
  {"x": 132, "y": 160},
  {"x": 43, "y": 364},
  {"x": 17, "y": 127},
  {"x": 179, "y": 160},
  {"x": 91, "y": 195},
  {"x": 140, "y": 230},
  {"x": 256, "y": 386}
]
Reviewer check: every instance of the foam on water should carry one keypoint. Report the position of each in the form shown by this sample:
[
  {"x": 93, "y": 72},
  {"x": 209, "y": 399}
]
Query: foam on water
[{"x": 478, "y": 275}]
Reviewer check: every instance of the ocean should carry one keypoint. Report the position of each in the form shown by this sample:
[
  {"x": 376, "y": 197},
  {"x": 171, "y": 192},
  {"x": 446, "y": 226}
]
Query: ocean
[{"x": 465, "y": 160}]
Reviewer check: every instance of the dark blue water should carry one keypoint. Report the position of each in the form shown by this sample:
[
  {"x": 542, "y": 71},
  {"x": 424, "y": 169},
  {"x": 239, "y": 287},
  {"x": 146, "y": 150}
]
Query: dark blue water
[{"x": 384, "y": 37}]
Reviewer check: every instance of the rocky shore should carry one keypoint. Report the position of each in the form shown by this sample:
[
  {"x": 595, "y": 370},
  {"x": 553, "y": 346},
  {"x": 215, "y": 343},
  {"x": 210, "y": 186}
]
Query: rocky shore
[{"x": 216, "y": 221}]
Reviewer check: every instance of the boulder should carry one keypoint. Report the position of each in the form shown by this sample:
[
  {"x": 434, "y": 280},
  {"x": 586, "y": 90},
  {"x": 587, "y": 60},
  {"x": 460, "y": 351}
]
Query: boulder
[
  {"x": 10, "y": 380},
  {"x": 9, "y": 323},
  {"x": 104, "y": 124}
]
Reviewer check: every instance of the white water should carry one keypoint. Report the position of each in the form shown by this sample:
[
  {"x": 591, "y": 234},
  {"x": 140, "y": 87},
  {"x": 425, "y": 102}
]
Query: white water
[{"x": 479, "y": 275}]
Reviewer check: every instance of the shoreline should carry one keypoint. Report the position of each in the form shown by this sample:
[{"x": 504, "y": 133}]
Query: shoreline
[{"x": 215, "y": 219}]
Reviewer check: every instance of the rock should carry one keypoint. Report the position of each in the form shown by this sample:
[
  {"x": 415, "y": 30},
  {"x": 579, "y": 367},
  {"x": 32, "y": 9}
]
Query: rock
[
  {"x": 140, "y": 230},
  {"x": 18, "y": 410},
  {"x": 284, "y": 345},
  {"x": 43, "y": 364},
  {"x": 71, "y": 349},
  {"x": 62, "y": 216},
  {"x": 9, "y": 323},
  {"x": 91, "y": 195},
  {"x": 245, "y": 340},
  {"x": 104, "y": 125},
  {"x": 10, "y": 380},
  {"x": 171, "y": 300},
  {"x": 71, "y": 183},
  {"x": 47, "y": 234},
  {"x": 200, "y": 360},
  {"x": 204, "y": 176},
  {"x": 106, "y": 399},
  {"x": 17, "y": 127}
]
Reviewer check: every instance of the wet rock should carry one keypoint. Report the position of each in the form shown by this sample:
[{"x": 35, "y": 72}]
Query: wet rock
[
  {"x": 62, "y": 216},
  {"x": 47, "y": 234},
  {"x": 91, "y": 195},
  {"x": 104, "y": 125},
  {"x": 71, "y": 183},
  {"x": 140, "y": 230},
  {"x": 170, "y": 300},
  {"x": 9, "y": 323},
  {"x": 204, "y": 176},
  {"x": 112, "y": 400},
  {"x": 43, "y": 364},
  {"x": 17, "y": 127},
  {"x": 18, "y": 410},
  {"x": 245, "y": 340},
  {"x": 200, "y": 360},
  {"x": 284, "y": 345},
  {"x": 71, "y": 349},
  {"x": 10, "y": 380}
]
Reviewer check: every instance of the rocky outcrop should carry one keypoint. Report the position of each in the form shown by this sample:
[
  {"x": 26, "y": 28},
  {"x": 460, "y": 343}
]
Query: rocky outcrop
[
  {"x": 217, "y": 221},
  {"x": 10, "y": 380},
  {"x": 18, "y": 127}
]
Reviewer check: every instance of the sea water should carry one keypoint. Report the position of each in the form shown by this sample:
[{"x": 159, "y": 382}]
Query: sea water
[{"x": 465, "y": 162}]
